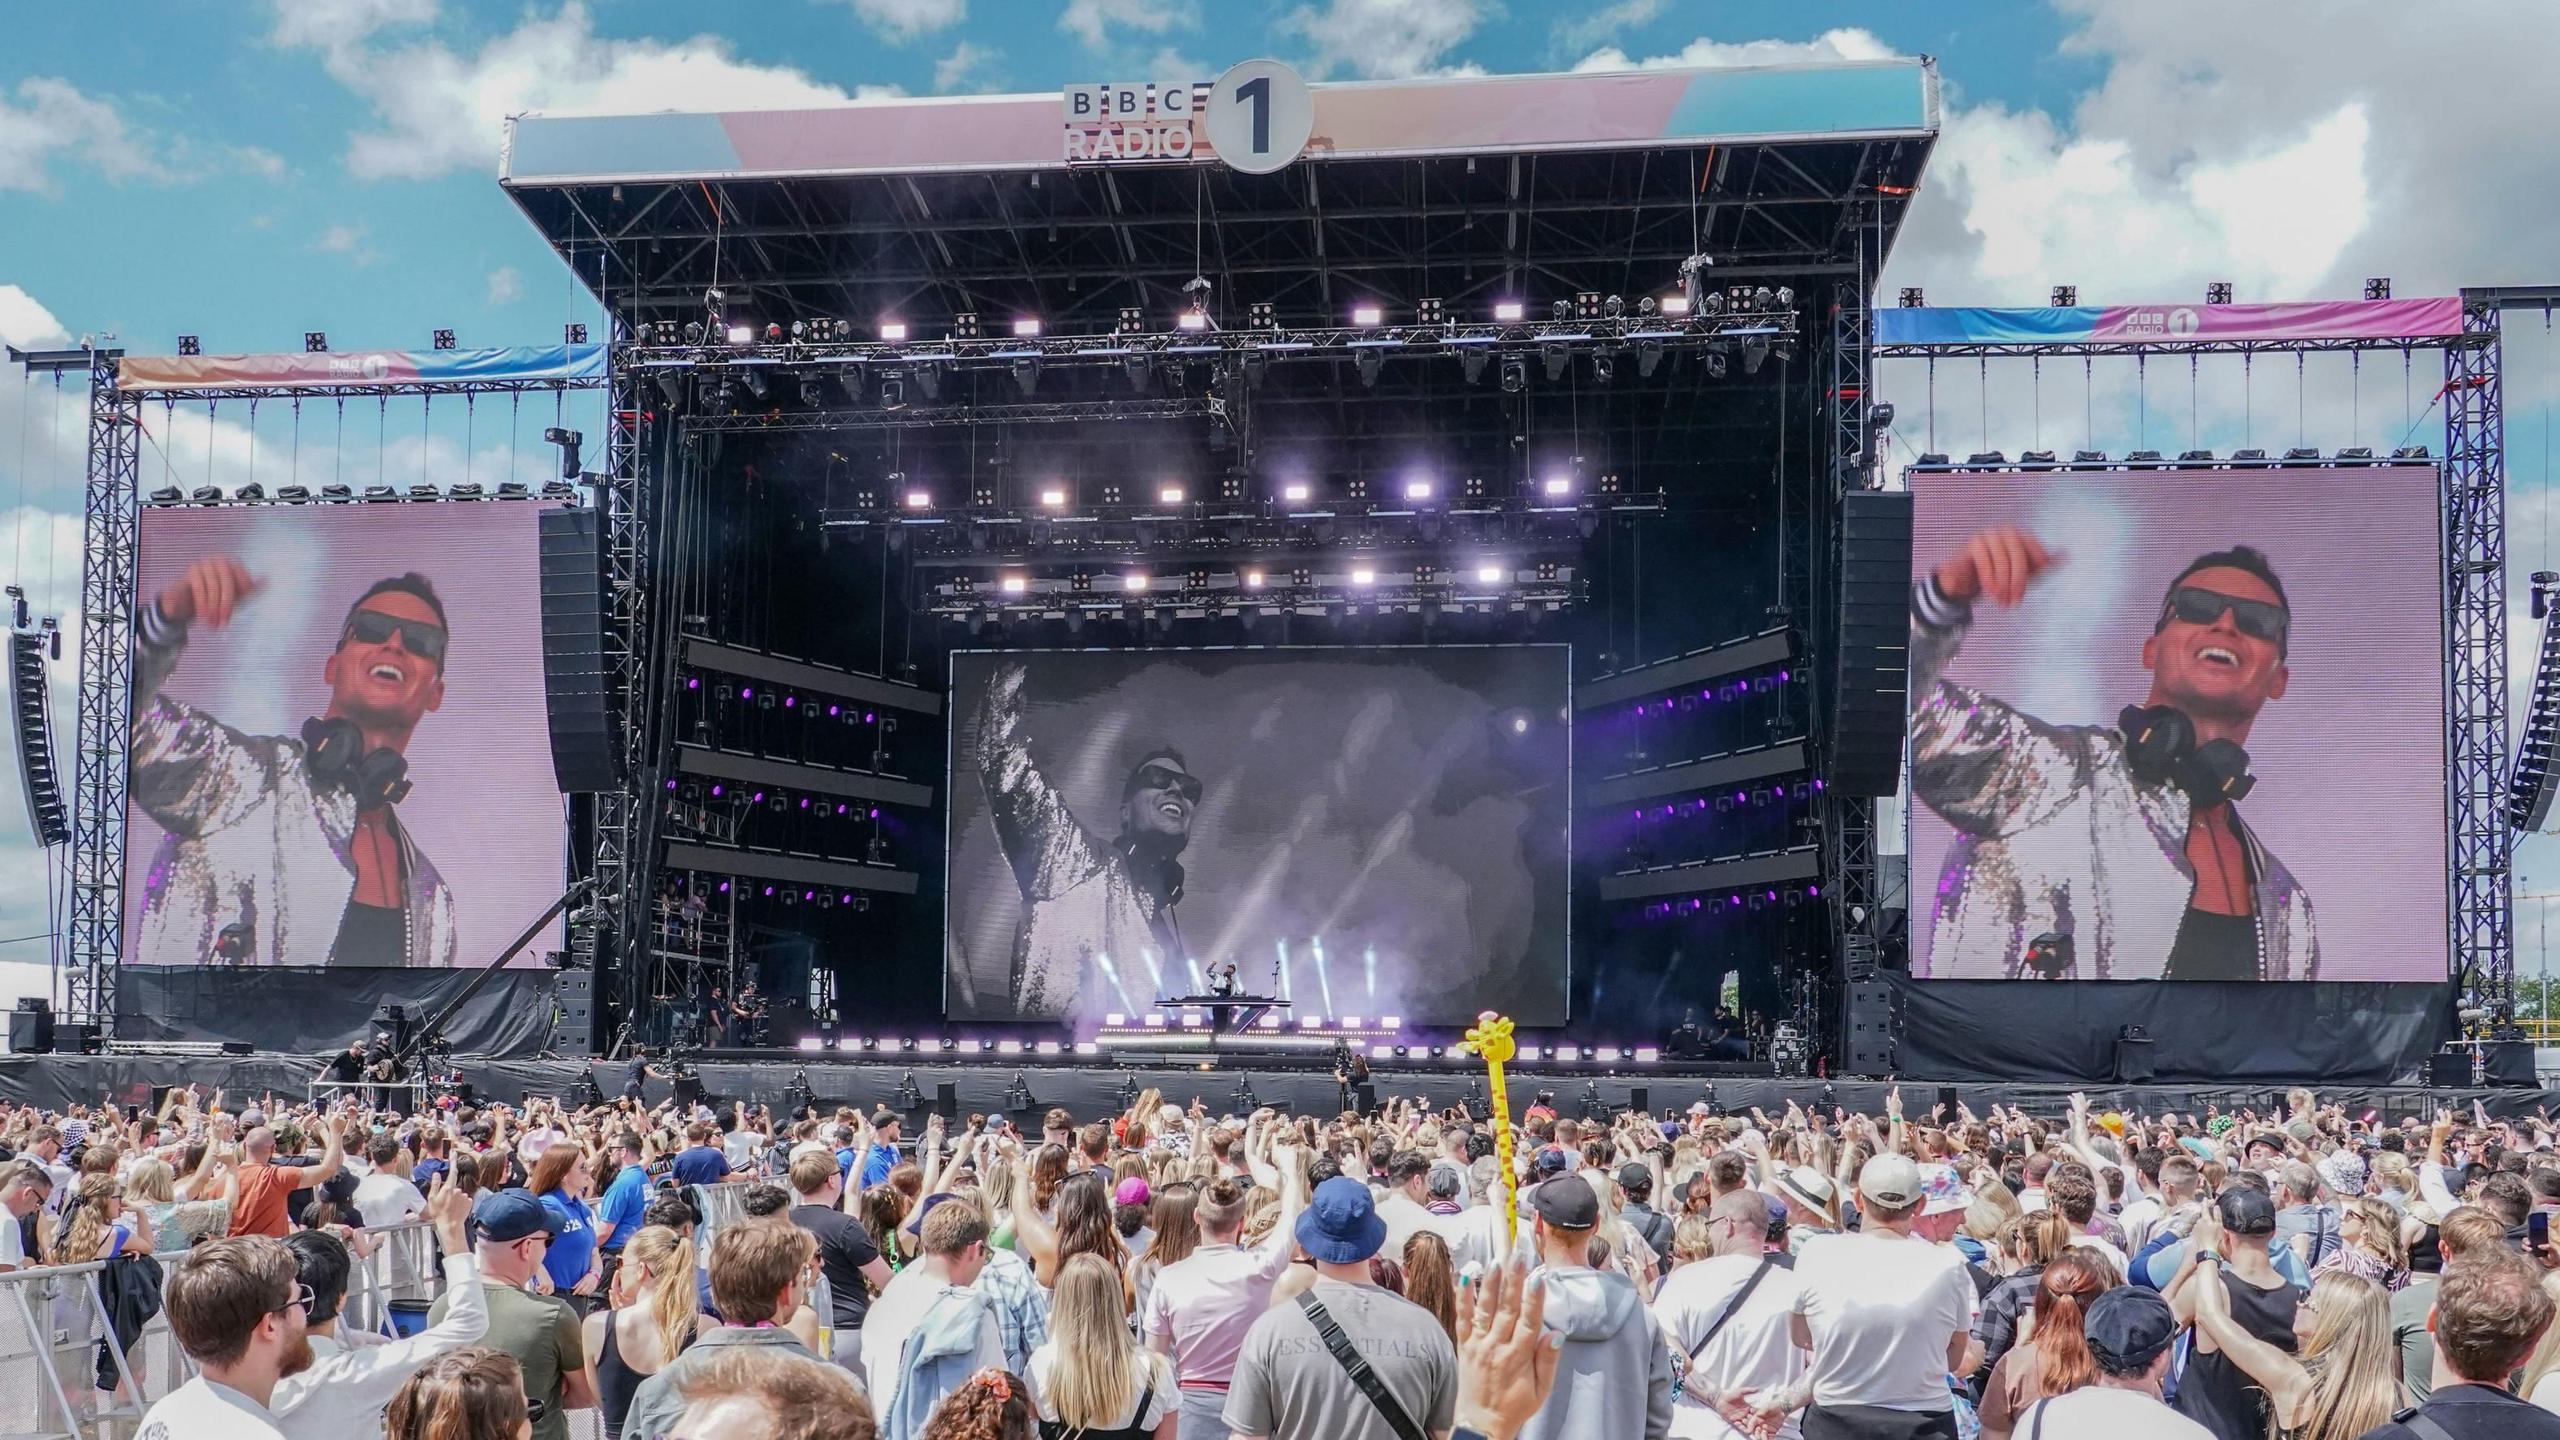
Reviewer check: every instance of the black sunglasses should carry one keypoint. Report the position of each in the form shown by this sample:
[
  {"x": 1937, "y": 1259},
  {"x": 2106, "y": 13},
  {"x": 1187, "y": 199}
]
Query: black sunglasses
[
  {"x": 2254, "y": 618},
  {"x": 1157, "y": 777},
  {"x": 419, "y": 638}
]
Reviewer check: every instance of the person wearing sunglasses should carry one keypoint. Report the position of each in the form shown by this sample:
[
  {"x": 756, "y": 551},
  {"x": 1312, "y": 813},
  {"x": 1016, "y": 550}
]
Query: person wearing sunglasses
[
  {"x": 351, "y": 887},
  {"x": 1094, "y": 908},
  {"x": 2125, "y": 839},
  {"x": 240, "y": 1314}
]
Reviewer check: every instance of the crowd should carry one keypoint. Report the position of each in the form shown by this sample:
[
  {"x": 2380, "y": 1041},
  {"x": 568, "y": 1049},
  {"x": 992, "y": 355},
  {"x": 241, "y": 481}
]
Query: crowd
[{"x": 1163, "y": 1273}]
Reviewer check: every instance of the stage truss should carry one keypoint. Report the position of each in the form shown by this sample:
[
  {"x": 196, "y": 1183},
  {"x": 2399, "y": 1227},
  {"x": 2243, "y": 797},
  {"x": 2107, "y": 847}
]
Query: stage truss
[
  {"x": 2481, "y": 941},
  {"x": 112, "y": 502}
]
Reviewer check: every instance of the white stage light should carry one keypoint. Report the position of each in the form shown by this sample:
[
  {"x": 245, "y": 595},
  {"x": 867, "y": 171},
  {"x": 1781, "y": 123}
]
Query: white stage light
[
  {"x": 1169, "y": 495},
  {"x": 1053, "y": 499},
  {"x": 919, "y": 500},
  {"x": 1295, "y": 494},
  {"x": 1134, "y": 580},
  {"x": 1490, "y": 574},
  {"x": 1509, "y": 310},
  {"x": 893, "y": 331},
  {"x": 1253, "y": 579},
  {"x": 1555, "y": 486},
  {"x": 1026, "y": 328},
  {"x": 1016, "y": 584},
  {"x": 1367, "y": 315},
  {"x": 1363, "y": 575}
]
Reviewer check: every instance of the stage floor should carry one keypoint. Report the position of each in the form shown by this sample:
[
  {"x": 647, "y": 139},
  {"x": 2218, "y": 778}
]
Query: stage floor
[{"x": 1091, "y": 1087}]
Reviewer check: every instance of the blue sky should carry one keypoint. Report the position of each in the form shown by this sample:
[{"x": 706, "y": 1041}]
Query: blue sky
[{"x": 247, "y": 170}]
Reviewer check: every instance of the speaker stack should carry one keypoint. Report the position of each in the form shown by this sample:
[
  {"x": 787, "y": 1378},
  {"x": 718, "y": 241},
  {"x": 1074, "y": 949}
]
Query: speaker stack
[
  {"x": 576, "y": 1017},
  {"x": 584, "y": 755},
  {"x": 1871, "y": 689},
  {"x": 31, "y": 1026}
]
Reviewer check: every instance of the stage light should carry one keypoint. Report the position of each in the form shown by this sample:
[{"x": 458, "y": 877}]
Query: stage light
[
  {"x": 2377, "y": 287},
  {"x": 811, "y": 1044},
  {"x": 742, "y": 334},
  {"x": 1132, "y": 320},
  {"x": 1509, "y": 311},
  {"x": 574, "y": 333},
  {"x": 1134, "y": 580},
  {"x": 1169, "y": 495},
  {"x": 1295, "y": 494},
  {"x": 1675, "y": 305},
  {"x": 1372, "y": 364},
  {"x": 1363, "y": 575},
  {"x": 1026, "y": 328},
  {"x": 1603, "y": 368},
  {"x": 2065, "y": 296},
  {"x": 1262, "y": 315},
  {"x": 1491, "y": 574},
  {"x": 2217, "y": 292},
  {"x": 1368, "y": 314},
  {"x": 893, "y": 331},
  {"x": 1417, "y": 489},
  {"x": 1556, "y": 358},
  {"x": 1015, "y": 584},
  {"x": 919, "y": 500},
  {"x": 1253, "y": 579},
  {"x": 1556, "y": 487},
  {"x": 1912, "y": 298},
  {"x": 442, "y": 339},
  {"x": 813, "y": 391},
  {"x": 1515, "y": 374},
  {"x": 1194, "y": 320},
  {"x": 190, "y": 345},
  {"x": 773, "y": 332},
  {"x": 1026, "y": 374}
]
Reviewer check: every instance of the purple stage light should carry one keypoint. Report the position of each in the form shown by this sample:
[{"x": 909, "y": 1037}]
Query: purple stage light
[
  {"x": 759, "y": 797},
  {"x": 1782, "y": 677},
  {"x": 724, "y": 887},
  {"x": 875, "y": 812},
  {"x": 804, "y": 802},
  {"x": 715, "y": 792},
  {"x": 768, "y": 890},
  {"x": 1733, "y": 902},
  {"x": 693, "y": 682},
  {"x": 808, "y": 894},
  {"x": 834, "y": 710},
  {"x": 746, "y": 692},
  {"x": 1772, "y": 895},
  {"x": 868, "y": 717},
  {"x": 790, "y": 702},
  {"x": 1813, "y": 890},
  {"x": 671, "y": 785},
  {"x": 1817, "y": 786},
  {"x": 840, "y": 809}
]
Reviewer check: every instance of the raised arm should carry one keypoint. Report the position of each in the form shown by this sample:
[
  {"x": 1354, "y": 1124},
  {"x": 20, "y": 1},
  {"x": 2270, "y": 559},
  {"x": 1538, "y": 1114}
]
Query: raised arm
[
  {"x": 1048, "y": 850},
  {"x": 1984, "y": 766}
]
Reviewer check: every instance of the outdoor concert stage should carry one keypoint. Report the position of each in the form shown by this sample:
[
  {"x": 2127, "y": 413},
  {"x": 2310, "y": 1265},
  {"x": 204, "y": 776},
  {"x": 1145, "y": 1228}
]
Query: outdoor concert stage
[{"x": 1091, "y": 1091}]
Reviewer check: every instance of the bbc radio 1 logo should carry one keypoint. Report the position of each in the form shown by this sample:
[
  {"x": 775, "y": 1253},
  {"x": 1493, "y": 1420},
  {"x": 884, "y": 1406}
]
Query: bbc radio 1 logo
[
  {"x": 370, "y": 366},
  {"x": 2174, "y": 322},
  {"x": 1132, "y": 122}
]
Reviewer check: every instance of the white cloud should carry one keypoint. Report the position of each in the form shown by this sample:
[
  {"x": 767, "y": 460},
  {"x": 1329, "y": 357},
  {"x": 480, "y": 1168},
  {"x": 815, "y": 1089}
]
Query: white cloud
[
  {"x": 1387, "y": 39},
  {"x": 1093, "y": 21},
  {"x": 505, "y": 286},
  {"x": 52, "y": 120},
  {"x": 1584, "y": 30},
  {"x": 968, "y": 60},
  {"x": 257, "y": 160},
  {"x": 1847, "y": 43},
  {"x": 904, "y": 20},
  {"x": 441, "y": 109},
  {"x": 336, "y": 24},
  {"x": 349, "y": 241},
  {"x": 25, "y": 323}
]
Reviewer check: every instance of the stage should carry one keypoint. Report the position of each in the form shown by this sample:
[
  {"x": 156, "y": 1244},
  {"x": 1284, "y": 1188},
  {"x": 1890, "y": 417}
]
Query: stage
[{"x": 1092, "y": 1090}]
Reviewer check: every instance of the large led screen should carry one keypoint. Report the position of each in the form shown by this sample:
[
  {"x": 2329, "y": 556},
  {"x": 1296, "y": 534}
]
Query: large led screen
[
  {"x": 1364, "y": 833},
  {"x": 339, "y": 750},
  {"x": 2178, "y": 725}
]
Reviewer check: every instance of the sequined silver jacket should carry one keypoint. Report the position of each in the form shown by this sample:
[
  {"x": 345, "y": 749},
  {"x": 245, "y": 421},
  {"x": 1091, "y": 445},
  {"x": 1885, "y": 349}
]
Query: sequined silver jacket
[
  {"x": 1093, "y": 936},
  {"x": 250, "y": 839},
  {"x": 2054, "y": 834}
]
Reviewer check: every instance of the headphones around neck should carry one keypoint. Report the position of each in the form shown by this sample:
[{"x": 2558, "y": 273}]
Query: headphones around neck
[
  {"x": 339, "y": 760},
  {"x": 2160, "y": 748}
]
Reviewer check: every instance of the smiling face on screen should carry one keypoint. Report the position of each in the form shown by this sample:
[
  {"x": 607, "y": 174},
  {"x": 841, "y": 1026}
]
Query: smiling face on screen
[
  {"x": 378, "y": 675},
  {"x": 2225, "y": 668}
]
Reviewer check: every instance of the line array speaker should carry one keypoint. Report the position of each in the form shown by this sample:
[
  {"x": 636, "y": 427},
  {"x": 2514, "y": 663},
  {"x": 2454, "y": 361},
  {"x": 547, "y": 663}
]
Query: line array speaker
[
  {"x": 1871, "y": 1026},
  {"x": 576, "y": 690},
  {"x": 39, "y": 777},
  {"x": 576, "y": 1018},
  {"x": 1871, "y": 691}
]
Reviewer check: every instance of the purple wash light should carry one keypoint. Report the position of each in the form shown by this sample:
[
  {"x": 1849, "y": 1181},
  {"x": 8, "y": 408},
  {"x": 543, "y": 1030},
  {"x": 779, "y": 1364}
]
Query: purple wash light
[
  {"x": 833, "y": 711},
  {"x": 724, "y": 887},
  {"x": 746, "y": 692},
  {"x": 1813, "y": 891},
  {"x": 790, "y": 702},
  {"x": 693, "y": 682},
  {"x": 715, "y": 792}
]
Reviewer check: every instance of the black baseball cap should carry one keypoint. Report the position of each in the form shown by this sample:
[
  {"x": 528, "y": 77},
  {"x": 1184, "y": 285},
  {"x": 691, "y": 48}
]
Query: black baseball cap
[
  {"x": 2128, "y": 1327},
  {"x": 1566, "y": 1202},
  {"x": 2246, "y": 1210},
  {"x": 1633, "y": 1177}
]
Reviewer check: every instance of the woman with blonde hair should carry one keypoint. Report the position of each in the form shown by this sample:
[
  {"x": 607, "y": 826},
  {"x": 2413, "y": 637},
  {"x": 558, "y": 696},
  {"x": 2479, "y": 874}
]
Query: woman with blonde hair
[
  {"x": 94, "y": 1225},
  {"x": 2339, "y": 1383},
  {"x": 1090, "y": 1378},
  {"x": 173, "y": 1223},
  {"x": 2370, "y": 1244},
  {"x": 2536, "y": 1383},
  {"x": 652, "y": 1315},
  {"x": 474, "y": 1393}
]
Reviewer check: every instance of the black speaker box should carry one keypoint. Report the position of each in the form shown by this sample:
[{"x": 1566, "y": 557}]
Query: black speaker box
[
  {"x": 2450, "y": 1068},
  {"x": 2135, "y": 1064},
  {"x": 2509, "y": 1063},
  {"x": 1871, "y": 688},
  {"x": 585, "y": 750},
  {"x": 31, "y": 1032},
  {"x": 75, "y": 1037},
  {"x": 1870, "y": 1028},
  {"x": 1640, "y": 1099},
  {"x": 576, "y": 1020}
]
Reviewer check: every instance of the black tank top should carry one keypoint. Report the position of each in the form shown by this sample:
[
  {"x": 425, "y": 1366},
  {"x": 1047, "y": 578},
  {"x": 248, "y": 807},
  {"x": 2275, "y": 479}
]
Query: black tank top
[
  {"x": 616, "y": 1381},
  {"x": 2216, "y": 1393},
  {"x": 1136, "y": 1429}
]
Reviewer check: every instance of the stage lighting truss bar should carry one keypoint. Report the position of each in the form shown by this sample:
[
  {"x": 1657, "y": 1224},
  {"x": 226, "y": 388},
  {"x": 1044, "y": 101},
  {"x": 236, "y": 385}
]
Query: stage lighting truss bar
[
  {"x": 967, "y": 536},
  {"x": 921, "y": 416},
  {"x": 1778, "y": 867},
  {"x": 706, "y": 654},
  {"x": 1713, "y": 662},
  {"x": 728, "y": 765},
  {"x": 1775, "y": 326},
  {"x": 2168, "y": 461},
  {"x": 1713, "y": 772},
  {"x": 2049, "y": 349},
  {"x": 743, "y": 863}
]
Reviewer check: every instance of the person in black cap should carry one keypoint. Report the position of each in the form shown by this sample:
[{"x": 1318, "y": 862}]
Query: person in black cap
[
  {"x": 511, "y": 1231},
  {"x": 2214, "y": 1391},
  {"x": 1293, "y": 1378},
  {"x": 2130, "y": 1332},
  {"x": 1613, "y": 1376},
  {"x": 1635, "y": 1187}
]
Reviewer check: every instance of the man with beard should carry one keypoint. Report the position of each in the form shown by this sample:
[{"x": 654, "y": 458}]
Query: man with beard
[
  {"x": 515, "y": 1230},
  {"x": 286, "y": 850},
  {"x": 2123, "y": 841},
  {"x": 1089, "y": 903},
  {"x": 239, "y": 1313}
]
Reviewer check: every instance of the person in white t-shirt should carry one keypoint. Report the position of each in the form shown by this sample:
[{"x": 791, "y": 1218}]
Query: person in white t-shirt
[
  {"x": 1729, "y": 1318},
  {"x": 24, "y": 1186},
  {"x": 2130, "y": 1331},
  {"x": 386, "y": 1197},
  {"x": 238, "y": 1311},
  {"x": 1887, "y": 1317}
]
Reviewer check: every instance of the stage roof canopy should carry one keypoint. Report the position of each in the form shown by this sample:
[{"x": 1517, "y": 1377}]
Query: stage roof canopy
[{"x": 1463, "y": 190}]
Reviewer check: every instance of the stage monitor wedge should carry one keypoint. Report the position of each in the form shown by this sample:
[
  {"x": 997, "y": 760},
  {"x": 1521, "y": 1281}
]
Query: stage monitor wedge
[
  {"x": 585, "y": 755},
  {"x": 1871, "y": 688}
]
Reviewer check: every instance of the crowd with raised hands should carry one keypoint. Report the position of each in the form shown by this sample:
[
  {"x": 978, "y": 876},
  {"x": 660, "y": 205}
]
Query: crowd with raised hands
[{"x": 729, "y": 1274}]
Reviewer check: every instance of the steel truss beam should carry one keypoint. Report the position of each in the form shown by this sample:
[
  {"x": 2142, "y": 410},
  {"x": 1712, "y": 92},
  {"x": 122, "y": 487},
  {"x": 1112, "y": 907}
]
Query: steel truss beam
[
  {"x": 108, "y": 549},
  {"x": 1852, "y": 890}
]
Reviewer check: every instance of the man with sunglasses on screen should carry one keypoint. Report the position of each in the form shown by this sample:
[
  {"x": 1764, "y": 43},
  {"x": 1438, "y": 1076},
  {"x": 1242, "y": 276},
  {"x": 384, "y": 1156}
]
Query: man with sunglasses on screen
[
  {"x": 285, "y": 849},
  {"x": 2108, "y": 852},
  {"x": 1089, "y": 903}
]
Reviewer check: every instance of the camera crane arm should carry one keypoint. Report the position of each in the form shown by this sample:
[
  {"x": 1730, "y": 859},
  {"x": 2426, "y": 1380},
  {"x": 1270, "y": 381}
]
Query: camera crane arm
[{"x": 419, "y": 1037}]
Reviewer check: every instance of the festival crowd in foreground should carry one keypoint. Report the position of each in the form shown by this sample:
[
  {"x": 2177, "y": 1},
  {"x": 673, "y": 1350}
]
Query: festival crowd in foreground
[{"x": 1167, "y": 1273}]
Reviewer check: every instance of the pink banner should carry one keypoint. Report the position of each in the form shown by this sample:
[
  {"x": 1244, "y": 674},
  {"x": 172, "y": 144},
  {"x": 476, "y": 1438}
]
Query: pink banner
[{"x": 2306, "y": 320}]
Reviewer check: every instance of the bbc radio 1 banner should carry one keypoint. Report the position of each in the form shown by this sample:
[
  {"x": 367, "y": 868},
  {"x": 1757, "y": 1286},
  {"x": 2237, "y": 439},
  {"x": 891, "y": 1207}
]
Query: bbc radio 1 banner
[
  {"x": 1379, "y": 833},
  {"x": 2178, "y": 725},
  {"x": 339, "y": 756}
]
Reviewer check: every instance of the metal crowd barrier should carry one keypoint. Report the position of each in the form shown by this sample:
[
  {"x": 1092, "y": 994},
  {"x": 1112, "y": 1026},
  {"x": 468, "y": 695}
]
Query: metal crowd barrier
[
  {"x": 415, "y": 1090},
  {"x": 53, "y": 1322}
]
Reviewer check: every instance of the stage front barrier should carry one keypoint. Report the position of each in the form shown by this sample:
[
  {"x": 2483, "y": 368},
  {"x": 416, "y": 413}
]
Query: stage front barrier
[{"x": 53, "y": 1326}]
